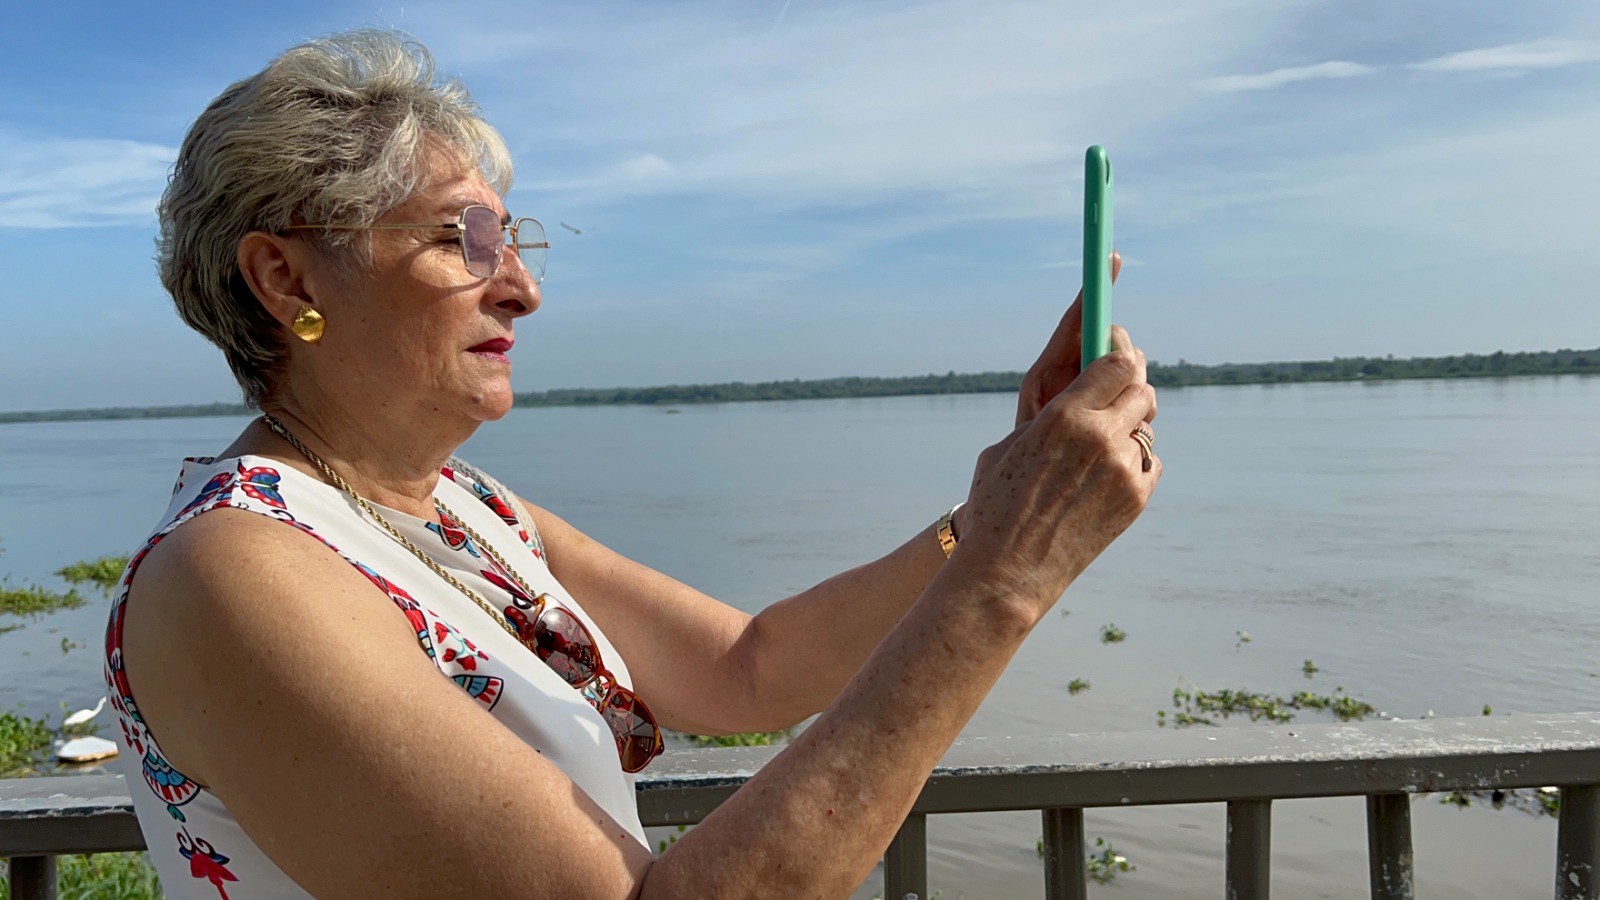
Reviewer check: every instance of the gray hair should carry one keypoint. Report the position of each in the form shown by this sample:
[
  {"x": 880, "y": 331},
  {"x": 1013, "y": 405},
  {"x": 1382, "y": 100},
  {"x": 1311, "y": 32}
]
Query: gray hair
[{"x": 333, "y": 131}]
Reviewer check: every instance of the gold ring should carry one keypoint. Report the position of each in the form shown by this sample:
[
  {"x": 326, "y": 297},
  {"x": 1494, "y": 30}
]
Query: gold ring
[{"x": 1147, "y": 450}]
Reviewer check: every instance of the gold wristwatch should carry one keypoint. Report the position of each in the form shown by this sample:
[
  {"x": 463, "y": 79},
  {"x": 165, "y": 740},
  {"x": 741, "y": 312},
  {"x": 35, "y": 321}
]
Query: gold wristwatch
[{"x": 945, "y": 531}]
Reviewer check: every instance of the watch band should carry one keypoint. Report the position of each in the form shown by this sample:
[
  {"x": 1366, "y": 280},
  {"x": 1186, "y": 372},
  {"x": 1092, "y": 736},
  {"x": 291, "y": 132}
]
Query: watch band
[{"x": 945, "y": 531}]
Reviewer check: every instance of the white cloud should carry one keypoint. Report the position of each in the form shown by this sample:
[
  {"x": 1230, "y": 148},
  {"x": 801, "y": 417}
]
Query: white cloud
[
  {"x": 645, "y": 173},
  {"x": 900, "y": 155},
  {"x": 1551, "y": 54},
  {"x": 75, "y": 182},
  {"x": 645, "y": 167},
  {"x": 1280, "y": 77},
  {"x": 1465, "y": 236},
  {"x": 977, "y": 110}
]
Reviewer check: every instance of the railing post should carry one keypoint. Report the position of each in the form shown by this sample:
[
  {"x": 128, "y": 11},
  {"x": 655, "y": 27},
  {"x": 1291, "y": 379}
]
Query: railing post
[
  {"x": 1249, "y": 849},
  {"x": 33, "y": 878},
  {"x": 905, "y": 866},
  {"x": 1389, "y": 857},
  {"x": 1066, "y": 873},
  {"x": 1578, "y": 844}
]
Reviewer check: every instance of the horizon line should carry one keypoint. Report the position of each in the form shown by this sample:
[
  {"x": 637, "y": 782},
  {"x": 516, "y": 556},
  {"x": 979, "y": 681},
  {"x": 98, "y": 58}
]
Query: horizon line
[{"x": 237, "y": 407}]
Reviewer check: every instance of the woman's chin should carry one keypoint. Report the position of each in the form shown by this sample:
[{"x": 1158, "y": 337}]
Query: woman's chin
[{"x": 493, "y": 401}]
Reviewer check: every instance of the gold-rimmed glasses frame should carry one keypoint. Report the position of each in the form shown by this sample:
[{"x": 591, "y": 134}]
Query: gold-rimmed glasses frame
[{"x": 525, "y": 236}]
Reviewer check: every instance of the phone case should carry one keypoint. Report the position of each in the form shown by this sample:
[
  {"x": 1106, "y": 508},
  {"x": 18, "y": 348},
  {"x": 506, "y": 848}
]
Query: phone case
[{"x": 1096, "y": 254}]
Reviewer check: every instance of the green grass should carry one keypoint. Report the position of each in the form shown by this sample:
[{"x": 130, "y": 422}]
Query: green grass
[
  {"x": 1198, "y": 707},
  {"x": 1077, "y": 686},
  {"x": 1111, "y": 634},
  {"x": 1342, "y": 705},
  {"x": 661, "y": 846},
  {"x": 1103, "y": 866},
  {"x": 104, "y": 572},
  {"x": 745, "y": 739},
  {"x": 21, "y": 738},
  {"x": 1533, "y": 801},
  {"x": 33, "y": 600},
  {"x": 102, "y": 876}
]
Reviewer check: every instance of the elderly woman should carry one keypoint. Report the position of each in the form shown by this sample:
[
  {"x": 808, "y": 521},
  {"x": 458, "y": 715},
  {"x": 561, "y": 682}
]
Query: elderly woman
[{"x": 348, "y": 666}]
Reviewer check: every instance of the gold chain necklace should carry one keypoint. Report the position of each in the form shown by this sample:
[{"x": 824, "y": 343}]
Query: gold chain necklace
[{"x": 418, "y": 552}]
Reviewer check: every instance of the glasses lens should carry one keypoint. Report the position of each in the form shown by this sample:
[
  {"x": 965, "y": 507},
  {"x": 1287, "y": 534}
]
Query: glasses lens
[
  {"x": 565, "y": 645},
  {"x": 482, "y": 238},
  {"x": 532, "y": 246},
  {"x": 638, "y": 738}
]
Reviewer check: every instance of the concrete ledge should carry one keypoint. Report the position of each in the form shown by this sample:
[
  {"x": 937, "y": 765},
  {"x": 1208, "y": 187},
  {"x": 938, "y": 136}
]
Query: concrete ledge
[
  {"x": 84, "y": 814},
  {"x": 1193, "y": 765}
]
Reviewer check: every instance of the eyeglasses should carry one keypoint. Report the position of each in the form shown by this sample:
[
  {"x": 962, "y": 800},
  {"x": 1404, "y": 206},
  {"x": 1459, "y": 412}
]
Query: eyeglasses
[
  {"x": 561, "y": 640},
  {"x": 483, "y": 239}
]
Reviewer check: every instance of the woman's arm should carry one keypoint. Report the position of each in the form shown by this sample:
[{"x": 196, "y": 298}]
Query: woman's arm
[
  {"x": 707, "y": 668},
  {"x": 291, "y": 687},
  {"x": 298, "y": 695}
]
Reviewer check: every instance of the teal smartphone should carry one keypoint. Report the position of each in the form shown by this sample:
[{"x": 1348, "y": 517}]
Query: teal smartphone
[{"x": 1096, "y": 254}]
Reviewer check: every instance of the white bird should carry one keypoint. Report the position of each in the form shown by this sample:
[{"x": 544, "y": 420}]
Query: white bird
[{"x": 83, "y": 715}]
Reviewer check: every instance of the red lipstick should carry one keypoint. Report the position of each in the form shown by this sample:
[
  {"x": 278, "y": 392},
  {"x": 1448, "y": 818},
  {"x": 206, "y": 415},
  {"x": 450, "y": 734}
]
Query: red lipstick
[{"x": 495, "y": 349}]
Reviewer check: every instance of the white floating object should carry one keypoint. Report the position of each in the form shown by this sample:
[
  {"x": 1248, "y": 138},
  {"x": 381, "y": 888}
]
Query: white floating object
[
  {"x": 83, "y": 715},
  {"x": 86, "y": 749}
]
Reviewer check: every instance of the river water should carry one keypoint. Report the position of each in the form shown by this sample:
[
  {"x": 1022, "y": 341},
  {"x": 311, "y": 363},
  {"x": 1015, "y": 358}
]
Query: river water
[{"x": 1430, "y": 544}]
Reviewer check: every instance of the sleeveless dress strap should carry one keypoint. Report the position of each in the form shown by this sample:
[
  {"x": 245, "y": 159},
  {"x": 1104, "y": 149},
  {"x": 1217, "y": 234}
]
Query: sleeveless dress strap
[{"x": 507, "y": 496}]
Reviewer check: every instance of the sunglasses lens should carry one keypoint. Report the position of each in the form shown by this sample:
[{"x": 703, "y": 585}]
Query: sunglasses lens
[
  {"x": 561, "y": 640},
  {"x": 531, "y": 246},
  {"x": 565, "y": 645},
  {"x": 638, "y": 738},
  {"x": 482, "y": 238}
]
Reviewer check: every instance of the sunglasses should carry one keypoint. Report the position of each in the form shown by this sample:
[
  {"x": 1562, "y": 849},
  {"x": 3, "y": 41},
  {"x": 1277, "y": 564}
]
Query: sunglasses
[
  {"x": 484, "y": 238},
  {"x": 561, "y": 640}
]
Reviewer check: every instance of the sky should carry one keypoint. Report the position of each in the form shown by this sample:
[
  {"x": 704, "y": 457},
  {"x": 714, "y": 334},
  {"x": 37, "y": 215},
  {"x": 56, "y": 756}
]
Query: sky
[{"x": 809, "y": 189}]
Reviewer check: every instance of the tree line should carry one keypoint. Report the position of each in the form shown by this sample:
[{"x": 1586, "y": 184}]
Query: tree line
[
  {"x": 1367, "y": 368},
  {"x": 1180, "y": 374}
]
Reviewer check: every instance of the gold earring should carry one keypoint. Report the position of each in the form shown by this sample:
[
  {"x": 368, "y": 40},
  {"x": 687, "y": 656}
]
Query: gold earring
[{"x": 309, "y": 324}]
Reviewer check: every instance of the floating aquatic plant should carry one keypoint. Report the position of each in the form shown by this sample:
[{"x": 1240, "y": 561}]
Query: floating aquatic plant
[
  {"x": 1198, "y": 707},
  {"x": 104, "y": 572}
]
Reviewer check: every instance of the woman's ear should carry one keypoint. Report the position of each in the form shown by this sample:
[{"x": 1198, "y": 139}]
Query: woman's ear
[{"x": 272, "y": 267}]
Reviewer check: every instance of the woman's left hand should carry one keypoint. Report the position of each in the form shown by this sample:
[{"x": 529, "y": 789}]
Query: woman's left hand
[{"x": 1061, "y": 360}]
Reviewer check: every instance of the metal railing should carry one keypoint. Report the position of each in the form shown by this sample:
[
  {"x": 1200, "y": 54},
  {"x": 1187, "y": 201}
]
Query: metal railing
[{"x": 1247, "y": 768}]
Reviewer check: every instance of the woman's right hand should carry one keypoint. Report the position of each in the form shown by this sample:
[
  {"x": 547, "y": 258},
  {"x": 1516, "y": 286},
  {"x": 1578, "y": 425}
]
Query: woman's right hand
[{"x": 1053, "y": 494}]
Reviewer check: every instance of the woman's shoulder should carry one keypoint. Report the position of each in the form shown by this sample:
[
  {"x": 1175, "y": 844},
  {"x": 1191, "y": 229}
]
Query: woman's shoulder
[
  {"x": 222, "y": 536},
  {"x": 236, "y": 624},
  {"x": 246, "y": 482}
]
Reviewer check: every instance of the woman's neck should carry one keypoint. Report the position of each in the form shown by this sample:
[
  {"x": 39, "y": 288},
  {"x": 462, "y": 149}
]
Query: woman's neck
[{"x": 385, "y": 459}]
